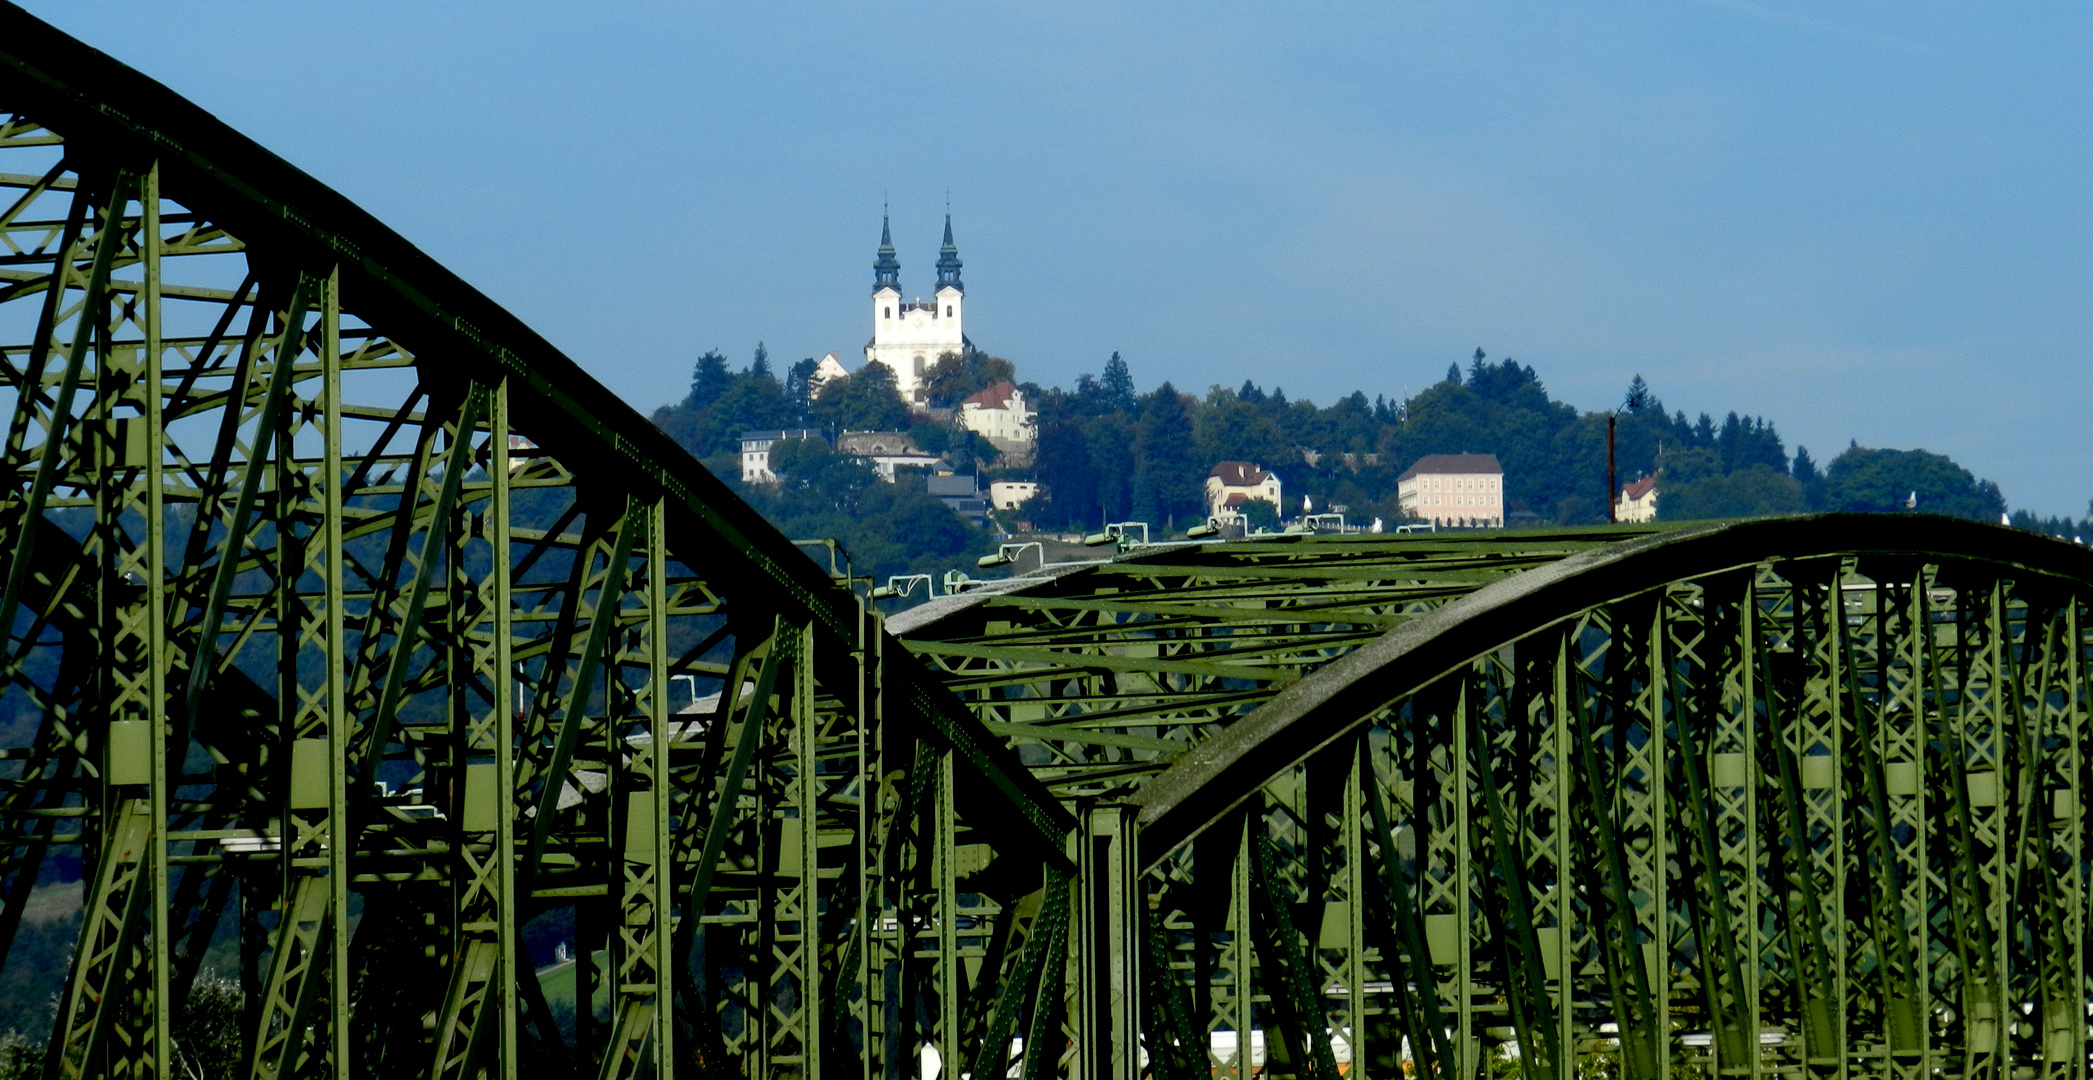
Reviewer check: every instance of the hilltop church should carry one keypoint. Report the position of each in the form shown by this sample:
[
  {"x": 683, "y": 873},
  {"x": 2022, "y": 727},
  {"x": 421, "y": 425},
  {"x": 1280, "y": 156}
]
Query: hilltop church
[{"x": 910, "y": 335}]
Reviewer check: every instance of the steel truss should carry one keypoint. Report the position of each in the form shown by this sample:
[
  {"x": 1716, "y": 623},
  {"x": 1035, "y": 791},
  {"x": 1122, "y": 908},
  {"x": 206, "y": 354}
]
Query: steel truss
[
  {"x": 1800, "y": 796},
  {"x": 342, "y": 618},
  {"x": 354, "y": 640}
]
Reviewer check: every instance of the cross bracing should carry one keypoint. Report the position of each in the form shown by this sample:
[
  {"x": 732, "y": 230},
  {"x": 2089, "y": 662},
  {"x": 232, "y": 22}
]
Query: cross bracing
[
  {"x": 352, "y": 632},
  {"x": 343, "y": 621},
  {"x": 1798, "y": 796}
]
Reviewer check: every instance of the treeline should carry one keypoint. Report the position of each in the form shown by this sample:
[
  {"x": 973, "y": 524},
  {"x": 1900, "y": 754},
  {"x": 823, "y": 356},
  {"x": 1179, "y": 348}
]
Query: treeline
[{"x": 1108, "y": 452}]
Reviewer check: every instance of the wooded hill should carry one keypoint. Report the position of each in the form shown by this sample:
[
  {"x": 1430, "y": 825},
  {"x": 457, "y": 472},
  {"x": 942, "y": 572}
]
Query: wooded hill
[{"x": 1110, "y": 453}]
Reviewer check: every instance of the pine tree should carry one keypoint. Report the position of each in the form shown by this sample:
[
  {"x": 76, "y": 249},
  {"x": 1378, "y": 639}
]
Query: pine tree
[
  {"x": 761, "y": 364},
  {"x": 1453, "y": 371},
  {"x": 799, "y": 389},
  {"x": 1638, "y": 395},
  {"x": 1166, "y": 476},
  {"x": 1117, "y": 386},
  {"x": 708, "y": 380}
]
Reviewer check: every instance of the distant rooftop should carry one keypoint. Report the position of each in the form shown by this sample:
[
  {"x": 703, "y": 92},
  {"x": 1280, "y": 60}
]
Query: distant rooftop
[
  {"x": 1240, "y": 474},
  {"x": 1442, "y": 464}
]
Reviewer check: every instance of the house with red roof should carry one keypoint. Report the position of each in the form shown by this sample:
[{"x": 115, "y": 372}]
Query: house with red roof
[
  {"x": 1638, "y": 501},
  {"x": 999, "y": 414},
  {"x": 1233, "y": 483}
]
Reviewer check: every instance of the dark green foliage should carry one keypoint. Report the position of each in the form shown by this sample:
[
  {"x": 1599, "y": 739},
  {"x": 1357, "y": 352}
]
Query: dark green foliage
[
  {"x": 708, "y": 380},
  {"x": 1116, "y": 388},
  {"x": 2063, "y": 528},
  {"x": 723, "y": 404},
  {"x": 1864, "y": 480},
  {"x": 1068, "y": 481},
  {"x": 1168, "y": 477},
  {"x": 956, "y": 378},
  {"x": 1259, "y": 514},
  {"x": 207, "y": 1035},
  {"x": 964, "y": 450},
  {"x": 864, "y": 401},
  {"x": 1638, "y": 395},
  {"x": 887, "y": 528},
  {"x": 1804, "y": 470},
  {"x": 1749, "y": 492},
  {"x": 799, "y": 390},
  {"x": 1107, "y": 455}
]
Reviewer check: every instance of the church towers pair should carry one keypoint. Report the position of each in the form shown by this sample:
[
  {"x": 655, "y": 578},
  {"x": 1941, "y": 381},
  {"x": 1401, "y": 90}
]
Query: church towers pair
[{"x": 909, "y": 336}]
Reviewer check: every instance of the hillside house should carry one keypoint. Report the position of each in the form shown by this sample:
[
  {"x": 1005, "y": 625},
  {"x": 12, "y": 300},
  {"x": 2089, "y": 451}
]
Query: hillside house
[
  {"x": 1463, "y": 490},
  {"x": 755, "y": 452},
  {"x": 1233, "y": 483},
  {"x": 887, "y": 450},
  {"x": 999, "y": 415},
  {"x": 1638, "y": 501}
]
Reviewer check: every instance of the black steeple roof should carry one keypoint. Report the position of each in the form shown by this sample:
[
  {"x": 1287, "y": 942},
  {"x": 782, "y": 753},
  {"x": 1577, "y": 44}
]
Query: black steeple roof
[
  {"x": 948, "y": 263},
  {"x": 886, "y": 270}
]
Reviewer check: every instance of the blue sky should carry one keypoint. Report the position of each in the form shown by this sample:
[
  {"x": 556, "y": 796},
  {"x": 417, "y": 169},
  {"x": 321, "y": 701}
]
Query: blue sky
[{"x": 1864, "y": 222}]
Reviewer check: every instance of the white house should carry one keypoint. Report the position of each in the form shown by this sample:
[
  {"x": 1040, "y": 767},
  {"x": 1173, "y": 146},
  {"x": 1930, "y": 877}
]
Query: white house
[
  {"x": 1638, "y": 501},
  {"x": 827, "y": 371},
  {"x": 755, "y": 452},
  {"x": 999, "y": 415},
  {"x": 1010, "y": 494},
  {"x": 910, "y": 335},
  {"x": 1454, "y": 489},
  {"x": 1232, "y": 483},
  {"x": 887, "y": 450}
]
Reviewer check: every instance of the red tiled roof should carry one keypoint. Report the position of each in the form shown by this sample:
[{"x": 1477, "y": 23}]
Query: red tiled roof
[
  {"x": 1454, "y": 463},
  {"x": 1240, "y": 474},
  {"x": 1639, "y": 488},
  {"x": 995, "y": 397}
]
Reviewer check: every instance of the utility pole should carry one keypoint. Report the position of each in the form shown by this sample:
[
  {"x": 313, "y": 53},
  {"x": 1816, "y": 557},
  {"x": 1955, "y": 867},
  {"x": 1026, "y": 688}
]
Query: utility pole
[{"x": 1612, "y": 486}]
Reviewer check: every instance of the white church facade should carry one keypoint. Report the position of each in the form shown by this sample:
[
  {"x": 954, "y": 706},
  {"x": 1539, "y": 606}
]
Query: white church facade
[{"x": 909, "y": 336}]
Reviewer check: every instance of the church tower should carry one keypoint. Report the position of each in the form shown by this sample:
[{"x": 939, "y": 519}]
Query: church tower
[{"x": 910, "y": 336}]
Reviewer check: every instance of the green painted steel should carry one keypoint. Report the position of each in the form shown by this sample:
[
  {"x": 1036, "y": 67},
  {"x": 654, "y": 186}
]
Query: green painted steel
[
  {"x": 1798, "y": 796},
  {"x": 359, "y": 645}
]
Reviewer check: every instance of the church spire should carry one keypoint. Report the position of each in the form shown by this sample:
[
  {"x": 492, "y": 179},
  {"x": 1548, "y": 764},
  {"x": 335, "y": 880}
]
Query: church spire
[
  {"x": 948, "y": 263},
  {"x": 886, "y": 270}
]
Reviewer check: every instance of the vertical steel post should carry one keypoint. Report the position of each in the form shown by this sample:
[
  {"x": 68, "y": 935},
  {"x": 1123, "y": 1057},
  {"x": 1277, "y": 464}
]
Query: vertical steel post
[
  {"x": 1108, "y": 899},
  {"x": 155, "y": 621},
  {"x": 334, "y": 693}
]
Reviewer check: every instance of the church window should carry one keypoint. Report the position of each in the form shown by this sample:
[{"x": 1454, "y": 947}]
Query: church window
[
  {"x": 948, "y": 311},
  {"x": 890, "y": 313}
]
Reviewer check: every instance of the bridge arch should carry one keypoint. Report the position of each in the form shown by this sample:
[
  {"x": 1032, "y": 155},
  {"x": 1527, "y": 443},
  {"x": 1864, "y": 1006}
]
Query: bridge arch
[{"x": 1783, "y": 795}]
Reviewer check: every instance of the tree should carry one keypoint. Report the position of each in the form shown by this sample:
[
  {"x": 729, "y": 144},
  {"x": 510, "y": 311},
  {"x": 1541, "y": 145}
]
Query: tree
[
  {"x": 760, "y": 366},
  {"x": 1067, "y": 482},
  {"x": 1638, "y": 396},
  {"x": 866, "y": 400},
  {"x": 799, "y": 390},
  {"x": 1116, "y": 388},
  {"x": 956, "y": 377},
  {"x": 1167, "y": 478},
  {"x": 1748, "y": 441},
  {"x": 1110, "y": 441},
  {"x": 709, "y": 378},
  {"x": 1756, "y": 491},
  {"x": 1259, "y": 514},
  {"x": 1870, "y": 481},
  {"x": 1806, "y": 475}
]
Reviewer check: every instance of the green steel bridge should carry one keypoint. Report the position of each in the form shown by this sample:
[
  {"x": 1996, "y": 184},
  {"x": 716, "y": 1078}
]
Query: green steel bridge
[{"x": 349, "y": 623}]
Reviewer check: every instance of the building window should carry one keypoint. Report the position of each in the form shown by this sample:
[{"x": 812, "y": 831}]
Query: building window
[
  {"x": 890, "y": 313},
  {"x": 948, "y": 311}
]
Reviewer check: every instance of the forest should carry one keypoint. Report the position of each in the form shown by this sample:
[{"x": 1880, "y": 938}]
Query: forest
[{"x": 1108, "y": 452}]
